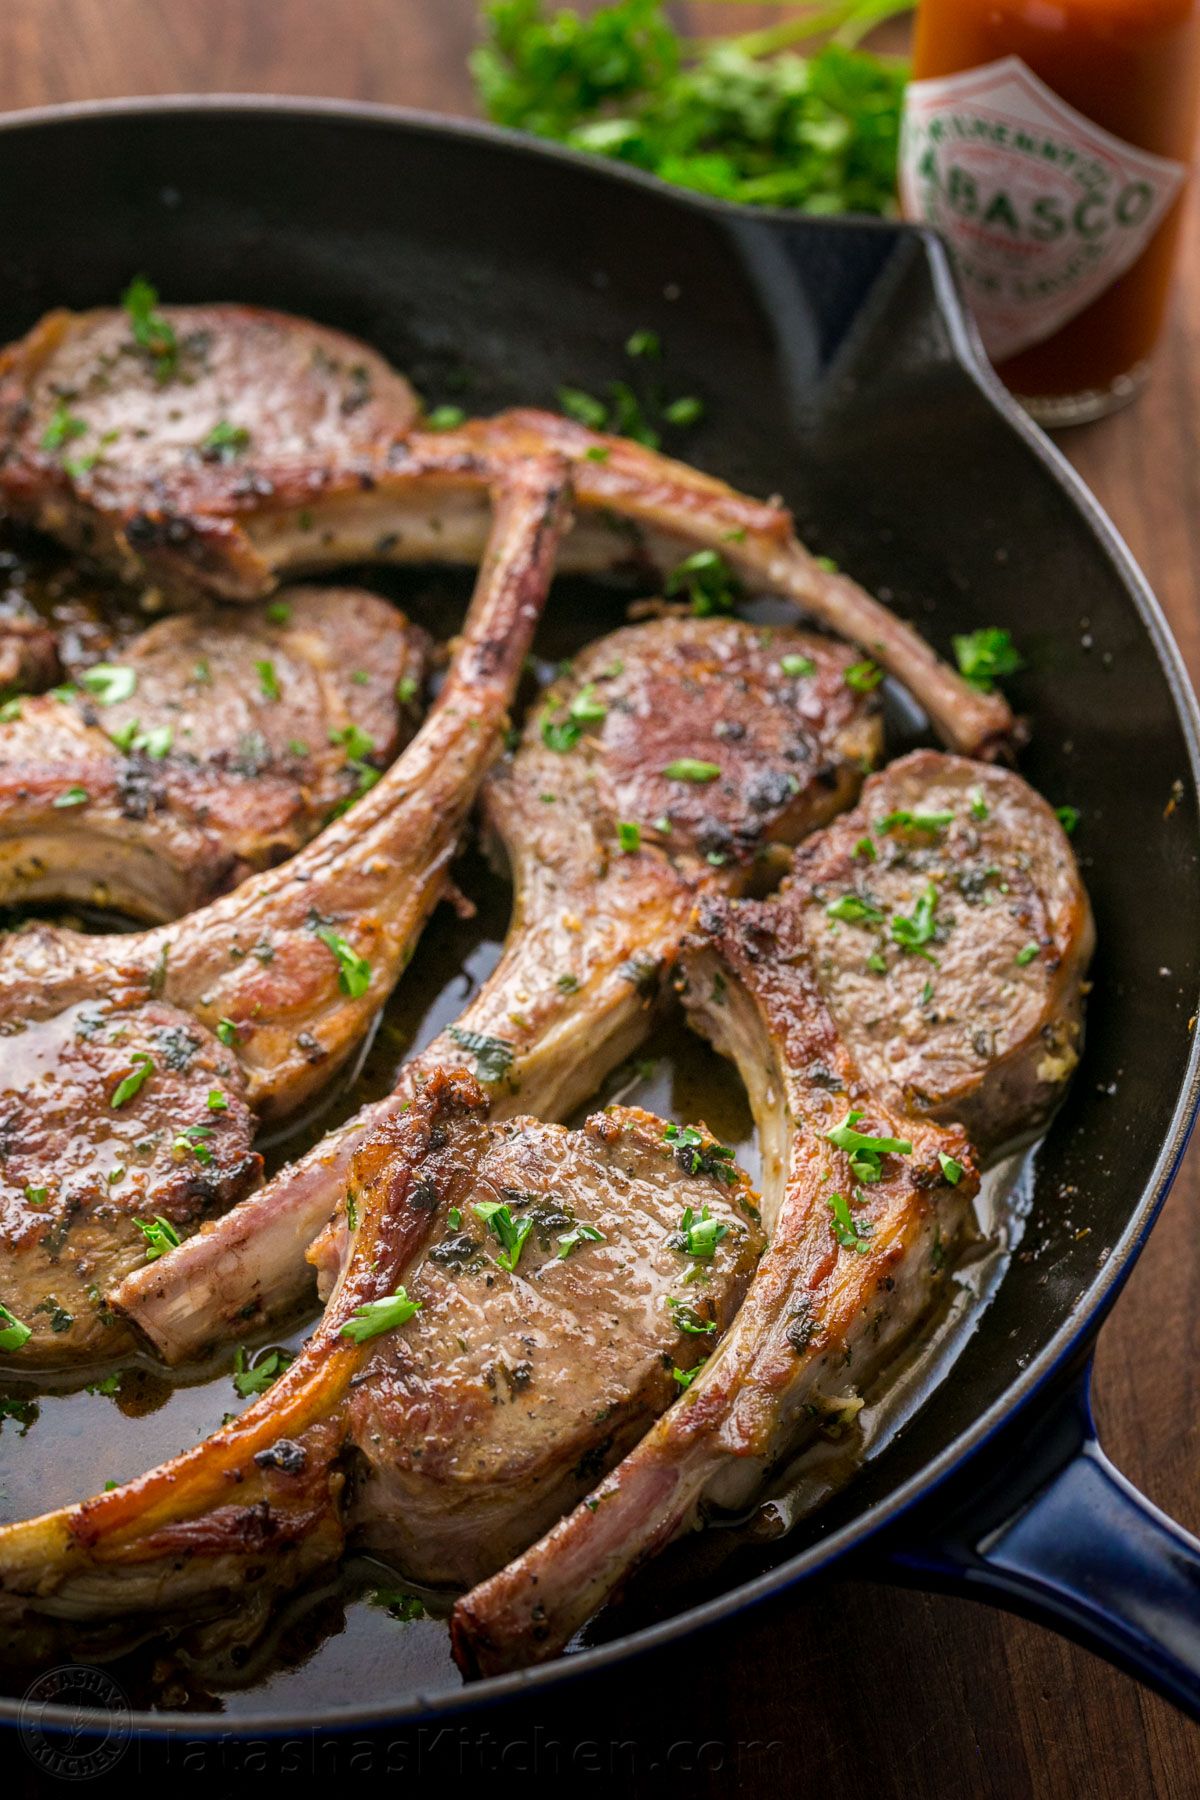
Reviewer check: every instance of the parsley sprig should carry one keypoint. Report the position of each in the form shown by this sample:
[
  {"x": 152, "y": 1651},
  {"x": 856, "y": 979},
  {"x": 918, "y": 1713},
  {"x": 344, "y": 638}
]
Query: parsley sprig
[
  {"x": 866, "y": 1153},
  {"x": 509, "y": 1232},
  {"x": 732, "y": 117}
]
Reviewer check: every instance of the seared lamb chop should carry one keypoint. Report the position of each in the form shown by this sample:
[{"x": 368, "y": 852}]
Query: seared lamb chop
[
  {"x": 252, "y": 457},
  {"x": 280, "y": 979},
  {"x": 961, "y": 920},
  {"x": 218, "y": 745},
  {"x": 518, "y": 1303},
  {"x": 110, "y": 417},
  {"x": 608, "y": 851}
]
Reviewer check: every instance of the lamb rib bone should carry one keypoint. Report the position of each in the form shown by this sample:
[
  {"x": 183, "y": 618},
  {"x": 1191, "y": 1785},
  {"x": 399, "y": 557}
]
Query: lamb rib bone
[
  {"x": 269, "y": 987},
  {"x": 219, "y": 744},
  {"x": 479, "y": 1416},
  {"x": 837, "y": 1290},
  {"x": 595, "y": 928},
  {"x": 312, "y": 482}
]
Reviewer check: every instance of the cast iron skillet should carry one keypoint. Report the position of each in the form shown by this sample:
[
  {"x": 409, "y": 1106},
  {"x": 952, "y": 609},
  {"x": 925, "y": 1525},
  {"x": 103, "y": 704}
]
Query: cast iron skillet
[{"x": 837, "y": 370}]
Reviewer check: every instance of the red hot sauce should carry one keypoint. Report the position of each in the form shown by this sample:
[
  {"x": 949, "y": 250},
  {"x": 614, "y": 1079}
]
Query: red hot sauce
[{"x": 1049, "y": 141}]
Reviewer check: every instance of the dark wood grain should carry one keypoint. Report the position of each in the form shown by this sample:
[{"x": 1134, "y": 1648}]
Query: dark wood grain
[{"x": 843, "y": 1688}]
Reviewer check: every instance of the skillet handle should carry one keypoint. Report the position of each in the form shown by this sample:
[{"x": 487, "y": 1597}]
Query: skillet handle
[{"x": 1058, "y": 1534}]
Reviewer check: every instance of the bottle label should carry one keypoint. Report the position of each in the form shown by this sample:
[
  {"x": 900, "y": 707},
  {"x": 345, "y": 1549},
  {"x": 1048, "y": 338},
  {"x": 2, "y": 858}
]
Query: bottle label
[{"x": 1041, "y": 208}]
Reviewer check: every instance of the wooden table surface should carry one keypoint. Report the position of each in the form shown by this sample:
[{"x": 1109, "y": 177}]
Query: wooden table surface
[{"x": 842, "y": 1686}]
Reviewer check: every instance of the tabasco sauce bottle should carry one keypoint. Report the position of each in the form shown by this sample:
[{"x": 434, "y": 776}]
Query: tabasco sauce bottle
[{"x": 1049, "y": 140}]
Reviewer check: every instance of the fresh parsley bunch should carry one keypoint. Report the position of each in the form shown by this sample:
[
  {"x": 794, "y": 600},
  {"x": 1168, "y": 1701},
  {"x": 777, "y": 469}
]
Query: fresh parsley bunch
[{"x": 740, "y": 118}]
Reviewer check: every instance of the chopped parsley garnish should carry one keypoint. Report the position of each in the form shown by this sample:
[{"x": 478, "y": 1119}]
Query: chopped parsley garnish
[
  {"x": 983, "y": 656},
  {"x": 585, "y": 409},
  {"x": 10, "y": 710},
  {"x": 72, "y": 796},
  {"x": 687, "y": 410},
  {"x": 356, "y": 742},
  {"x": 797, "y": 665},
  {"x": 227, "y": 1031},
  {"x": 685, "y": 1377},
  {"x": 979, "y": 806},
  {"x": 705, "y": 578},
  {"x": 863, "y": 676},
  {"x": 133, "y": 1083},
  {"x": 192, "y": 1140},
  {"x": 559, "y": 734},
  {"x": 505, "y": 1229},
  {"x": 255, "y": 1378},
  {"x": 865, "y": 850},
  {"x": 903, "y": 820},
  {"x": 155, "y": 743},
  {"x": 579, "y": 1234},
  {"x": 109, "y": 682},
  {"x": 445, "y": 418},
  {"x": 160, "y": 1236},
  {"x": 689, "y": 1320},
  {"x": 151, "y": 331},
  {"x": 217, "y": 1101},
  {"x": 644, "y": 343},
  {"x": 268, "y": 680},
  {"x": 629, "y": 835},
  {"x": 354, "y": 971},
  {"x": 63, "y": 427},
  {"x": 850, "y": 1234},
  {"x": 690, "y": 768},
  {"x": 567, "y": 984},
  {"x": 1027, "y": 954},
  {"x": 697, "y": 1154},
  {"x": 406, "y": 689},
  {"x": 225, "y": 441},
  {"x": 37, "y": 1196},
  {"x": 1068, "y": 817},
  {"x": 454, "y": 1218},
  {"x": 950, "y": 1169},
  {"x": 12, "y": 1332},
  {"x": 913, "y": 933},
  {"x": 585, "y": 708},
  {"x": 402, "y": 1606},
  {"x": 493, "y": 1055},
  {"x": 375, "y": 1317},
  {"x": 865, "y": 1152},
  {"x": 852, "y": 909},
  {"x": 279, "y": 612},
  {"x": 877, "y": 963},
  {"x": 698, "y": 1236}
]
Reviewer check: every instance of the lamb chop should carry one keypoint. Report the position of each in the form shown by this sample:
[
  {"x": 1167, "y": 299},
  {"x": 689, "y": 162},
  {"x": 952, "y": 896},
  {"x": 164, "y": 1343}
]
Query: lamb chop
[
  {"x": 269, "y": 988},
  {"x": 611, "y": 825},
  {"x": 257, "y": 451},
  {"x": 218, "y": 745},
  {"x": 946, "y": 914},
  {"x": 517, "y": 1304}
]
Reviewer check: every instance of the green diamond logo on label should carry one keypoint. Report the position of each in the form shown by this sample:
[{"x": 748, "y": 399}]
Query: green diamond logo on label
[{"x": 1042, "y": 209}]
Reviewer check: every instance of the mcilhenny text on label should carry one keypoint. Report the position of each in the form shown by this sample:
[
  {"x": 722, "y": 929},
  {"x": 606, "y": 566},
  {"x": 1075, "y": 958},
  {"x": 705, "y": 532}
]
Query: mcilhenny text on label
[{"x": 1042, "y": 208}]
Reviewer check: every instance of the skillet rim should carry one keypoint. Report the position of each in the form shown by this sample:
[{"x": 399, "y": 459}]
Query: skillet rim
[{"x": 1083, "y": 1322}]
